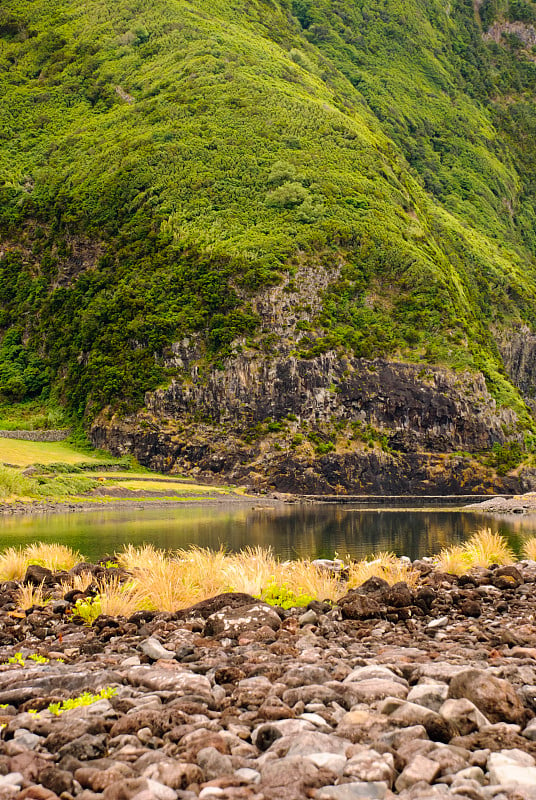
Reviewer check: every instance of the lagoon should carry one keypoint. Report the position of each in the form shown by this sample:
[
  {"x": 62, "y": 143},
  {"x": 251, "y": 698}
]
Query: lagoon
[{"x": 316, "y": 530}]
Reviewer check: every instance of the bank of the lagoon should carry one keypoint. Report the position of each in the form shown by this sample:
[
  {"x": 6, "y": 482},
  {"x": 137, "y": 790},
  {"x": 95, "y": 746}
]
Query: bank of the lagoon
[
  {"x": 414, "y": 683},
  {"x": 305, "y": 531}
]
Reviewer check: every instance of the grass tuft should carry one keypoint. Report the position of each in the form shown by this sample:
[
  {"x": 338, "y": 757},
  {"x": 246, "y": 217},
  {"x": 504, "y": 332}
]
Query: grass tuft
[
  {"x": 453, "y": 560},
  {"x": 485, "y": 548},
  {"x": 131, "y": 558},
  {"x": 55, "y": 557},
  {"x": 79, "y": 582},
  {"x": 13, "y": 564},
  {"x": 28, "y": 596},
  {"x": 529, "y": 548},
  {"x": 119, "y": 599},
  {"x": 251, "y": 570},
  {"x": 384, "y": 565},
  {"x": 306, "y": 578}
]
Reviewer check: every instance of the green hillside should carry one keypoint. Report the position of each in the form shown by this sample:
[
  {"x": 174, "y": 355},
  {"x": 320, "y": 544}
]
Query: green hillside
[{"x": 162, "y": 163}]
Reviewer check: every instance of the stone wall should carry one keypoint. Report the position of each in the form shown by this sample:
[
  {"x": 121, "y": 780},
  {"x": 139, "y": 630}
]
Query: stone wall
[{"x": 37, "y": 436}]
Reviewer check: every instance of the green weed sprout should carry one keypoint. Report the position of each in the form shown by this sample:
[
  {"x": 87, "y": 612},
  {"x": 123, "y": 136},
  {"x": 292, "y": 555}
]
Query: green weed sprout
[
  {"x": 85, "y": 699},
  {"x": 88, "y": 608},
  {"x": 280, "y": 595},
  {"x": 39, "y": 659},
  {"x": 16, "y": 659}
]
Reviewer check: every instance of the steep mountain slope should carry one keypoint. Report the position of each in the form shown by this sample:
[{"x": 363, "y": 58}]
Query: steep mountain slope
[{"x": 207, "y": 198}]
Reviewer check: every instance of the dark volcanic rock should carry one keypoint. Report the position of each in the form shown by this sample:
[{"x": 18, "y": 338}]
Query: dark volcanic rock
[
  {"x": 507, "y": 578},
  {"x": 57, "y": 780},
  {"x": 398, "y": 596},
  {"x": 213, "y": 604},
  {"x": 37, "y": 575},
  {"x": 357, "y": 606},
  {"x": 422, "y": 416}
]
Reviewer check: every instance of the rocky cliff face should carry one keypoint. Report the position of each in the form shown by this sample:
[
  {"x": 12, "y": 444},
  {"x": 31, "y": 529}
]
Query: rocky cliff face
[
  {"x": 518, "y": 350},
  {"x": 323, "y": 425}
]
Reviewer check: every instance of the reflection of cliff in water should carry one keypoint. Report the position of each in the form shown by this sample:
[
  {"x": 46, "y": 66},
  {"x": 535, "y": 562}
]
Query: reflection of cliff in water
[
  {"x": 324, "y": 531},
  {"x": 304, "y": 531}
]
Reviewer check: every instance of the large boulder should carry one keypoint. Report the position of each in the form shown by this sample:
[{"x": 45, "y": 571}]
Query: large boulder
[
  {"x": 37, "y": 575},
  {"x": 205, "y": 608},
  {"x": 232, "y": 622},
  {"x": 358, "y": 606},
  {"x": 496, "y": 698}
]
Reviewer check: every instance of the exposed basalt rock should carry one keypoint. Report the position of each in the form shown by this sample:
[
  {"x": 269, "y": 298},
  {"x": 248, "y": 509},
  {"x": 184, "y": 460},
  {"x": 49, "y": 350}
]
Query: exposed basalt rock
[
  {"x": 526, "y": 33},
  {"x": 430, "y": 408},
  {"x": 204, "y": 425},
  {"x": 518, "y": 350}
]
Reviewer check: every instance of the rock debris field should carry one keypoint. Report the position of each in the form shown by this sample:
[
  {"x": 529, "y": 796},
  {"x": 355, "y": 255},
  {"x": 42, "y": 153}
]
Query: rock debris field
[{"x": 426, "y": 692}]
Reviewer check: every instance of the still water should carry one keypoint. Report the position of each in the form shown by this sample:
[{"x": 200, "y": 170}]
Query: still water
[{"x": 292, "y": 531}]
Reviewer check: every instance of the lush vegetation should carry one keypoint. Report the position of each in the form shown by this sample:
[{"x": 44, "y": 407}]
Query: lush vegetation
[{"x": 161, "y": 163}]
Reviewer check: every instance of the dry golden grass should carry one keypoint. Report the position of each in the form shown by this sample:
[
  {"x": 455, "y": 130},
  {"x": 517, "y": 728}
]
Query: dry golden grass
[
  {"x": 170, "y": 583},
  {"x": 453, "y": 560},
  {"x": 120, "y": 599},
  {"x": 166, "y": 585},
  {"x": 204, "y": 569},
  {"x": 79, "y": 582},
  {"x": 13, "y": 564},
  {"x": 529, "y": 549},
  {"x": 52, "y": 556},
  {"x": 132, "y": 558},
  {"x": 28, "y": 596},
  {"x": 485, "y": 548},
  {"x": 386, "y": 566},
  {"x": 304, "y": 577},
  {"x": 251, "y": 570},
  {"x": 15, "y": 561},
  {"x": 481, "y": 550}
]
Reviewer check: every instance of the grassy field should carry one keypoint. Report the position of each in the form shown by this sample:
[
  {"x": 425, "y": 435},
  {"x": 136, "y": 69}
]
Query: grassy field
[
  {"x": 54, "y": 481},
  {"x": 21, "y": 453},
  {"x": 169, "y": 485}
]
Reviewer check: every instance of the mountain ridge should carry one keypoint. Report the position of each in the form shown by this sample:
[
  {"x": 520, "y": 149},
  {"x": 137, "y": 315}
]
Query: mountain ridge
[{"x": 168, "y": 172}]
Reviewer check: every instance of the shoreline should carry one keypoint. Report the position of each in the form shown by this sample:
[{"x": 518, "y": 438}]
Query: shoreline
[
  {"x": 69, "y": 506},
  {"x": 116, "y": 499},
  {"x": 404, "y": 691}
]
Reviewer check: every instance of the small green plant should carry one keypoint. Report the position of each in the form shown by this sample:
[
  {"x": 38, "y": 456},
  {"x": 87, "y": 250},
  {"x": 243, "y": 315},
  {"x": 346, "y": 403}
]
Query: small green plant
[
  {"x": 280, "y": 595},
  {"x": 19, "y": 659},
  {"x": 505, "y": 457},
  {"x": 88, "y": 608},
  {"x": 39, "y": 659},
  {"x": 85, "y": 699}
]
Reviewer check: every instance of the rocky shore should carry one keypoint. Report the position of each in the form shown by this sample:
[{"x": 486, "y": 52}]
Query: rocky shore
[
  {"x": 520, "y": 504},
  {"x": 110, "y": 502},
  {"x": 423, "y": 693}
]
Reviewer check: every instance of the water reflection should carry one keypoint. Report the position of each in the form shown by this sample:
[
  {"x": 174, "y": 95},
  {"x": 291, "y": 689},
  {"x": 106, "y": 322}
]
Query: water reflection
[{"x": 305, "y": 531}]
